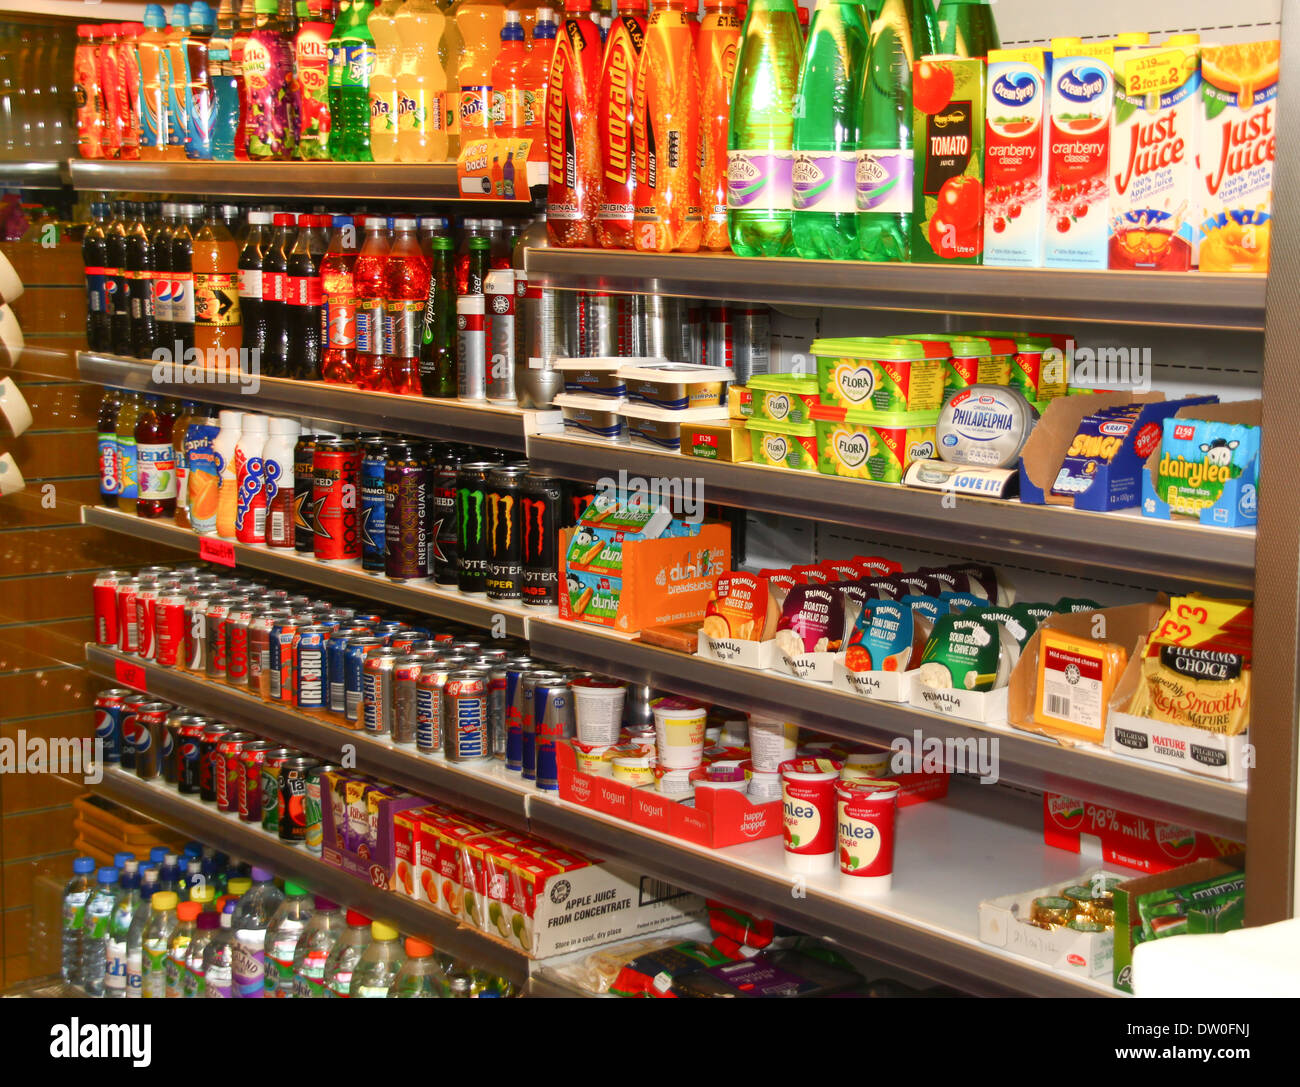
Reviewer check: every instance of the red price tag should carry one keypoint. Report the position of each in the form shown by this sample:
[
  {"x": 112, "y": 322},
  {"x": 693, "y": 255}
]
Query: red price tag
[
  {"x": 130, "y": 675},
  {"x": 222, "y": 552}
]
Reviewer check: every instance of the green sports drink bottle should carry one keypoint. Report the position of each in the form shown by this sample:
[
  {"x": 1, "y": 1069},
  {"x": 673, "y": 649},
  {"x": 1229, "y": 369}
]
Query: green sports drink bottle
[{"x": 966, "y": 28}]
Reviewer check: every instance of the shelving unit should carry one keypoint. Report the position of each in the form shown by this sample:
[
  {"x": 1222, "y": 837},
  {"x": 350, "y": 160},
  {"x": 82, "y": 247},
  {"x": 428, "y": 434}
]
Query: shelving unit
[{"x": 33, "y": 174}]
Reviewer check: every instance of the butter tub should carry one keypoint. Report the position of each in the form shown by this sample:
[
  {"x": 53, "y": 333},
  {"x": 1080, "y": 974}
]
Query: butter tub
[
  {"x": 662, "y": 428},
  {"x": 875, "y": 445},
  {"x": 676, "y": 386},
  {"x": 784, "y": 398},
  {"x": 593, "y": 416},
  {"x": 596, "y": 377},
  {"x": 880, "y": 373},
  {"x": 784, "y": 445}
]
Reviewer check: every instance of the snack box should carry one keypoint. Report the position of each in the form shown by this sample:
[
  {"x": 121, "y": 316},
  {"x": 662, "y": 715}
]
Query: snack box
[
  {"x": 717, "y": 441},
  {"x": 595, "y": 377},
  {"x": 784, "y": 398},
  {"x": 375, "y": 862},
  {"x": 588, "y": 416},
  {"x": 880, "y": 374},
  {"x": 1084, "y": 954},
  {"x": 876, "y": 685},
  {"x": 677, "y": 386},
  {"x": 1197, "y": 454},
  {"x": 1116, "y": 484},
  {"x": 744, "y": 652},
  {"x": 783, "y": 445},
  {"x": 661, "y": 428},
  {"x": 879, "y": 446}
]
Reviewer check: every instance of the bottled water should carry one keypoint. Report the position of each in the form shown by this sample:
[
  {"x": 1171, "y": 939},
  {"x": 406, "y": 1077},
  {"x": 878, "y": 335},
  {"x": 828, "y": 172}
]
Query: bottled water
[
  {"x": 318, "y": 939},
  {"x": 420, "y": 977},
  {"x": 94, "y": 940},
  {"x": 119, "y": 927},
  {"x": 135, "y": 934},
  {"x": 219, "y": 958},
  {"x": 75, "y": 896},
  {"x": 282, "y": 936},
  {"x": 346, "y": 954},
  {"x": 155, "y": 941},
  {"x": 194, "y": 979},
  {"x": 253, "y": 914},
  {"x": 379, "y": 963}
]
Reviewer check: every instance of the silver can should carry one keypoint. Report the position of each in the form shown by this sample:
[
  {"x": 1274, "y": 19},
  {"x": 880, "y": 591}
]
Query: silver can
[
  {"x": 665, "y": 328},
  {"x": 471, "y": 340},
  {"x": 602, "y": 318},
  {"x": 406, "y": 680},
  {"x": 551, "y": 325},
  {"x": 499, "y": 289},
  {"x": 428, "y": 708},
  {"x": 377, "y": 692},
  {"x": 196, "y": 630},
  {"x": 465, "y": 716}
]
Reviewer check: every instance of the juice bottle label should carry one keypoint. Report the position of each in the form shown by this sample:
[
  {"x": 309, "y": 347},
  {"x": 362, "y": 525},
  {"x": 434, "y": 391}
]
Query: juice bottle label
[
  {"x": 153, "y": 974},
  {"x": 383, "y": 110},
  {"x": 108, "y": 467},
  {"x": 1078, "y": 158},
  {"x": 268, "y": 77},
  {"x": 475, "y": 112},
  {"x": 883, "y": 181},
  {"x": 250, "y": 502},
  {"x": 760, "y": 180},
  {"x": 358, "y": 65},
  {"x": 341, "y": 322},
  {"x": 90, "y": 104},
  {"x": 311, "y": 53},
  {"x": 279, "y": 502},
  {"x": 1016, "y": 117},
  {"x": 824, "y": 181},
  {"x": 156, "y": 471},
  {"x": 508, "y": 108},
  {"x": 202, "y": 476},
  {"x": 127, "y": 465},
  {"x": 947, "y": 195},
  {"x": 573, "y": 189},
  {"x": 153, "y": 96},
  {"x": 617, "y": 83},
  {"x": 216, "y": 298},
  {"x": 178, "y": 79},
  {"x": 719, "y": 44},
  {"x": 1238, "y": 144},
  {"x": 421, "y": 111}
]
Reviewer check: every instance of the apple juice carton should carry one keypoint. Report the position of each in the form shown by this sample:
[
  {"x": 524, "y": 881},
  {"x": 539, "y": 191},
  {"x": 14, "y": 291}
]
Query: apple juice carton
[
  {"x": 1238, "y": 141},
  {"x": 1081, "y": 103},
  {"x": 948, "y": 134},
  {"x": 1153, "y": 157},
  {"x": 1015, "y": 120}
]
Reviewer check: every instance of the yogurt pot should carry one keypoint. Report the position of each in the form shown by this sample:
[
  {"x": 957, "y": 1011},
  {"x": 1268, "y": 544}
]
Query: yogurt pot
[
  {"x": 880, "y": 373},
  {"x": 783, "y": 445},
  {"x": 719, "y": 776},
  {"x": 634, "y": 770},
  {"x": 872, "y": 445},
  {"x": 865, "y": 813},
  {"x": 675, "y": 783},
  {"x": 593, "y": 758},
  {"x": 763, "y": 785},
  {"x": 870, "y": 764},
  {"x": 771, "y": 743},
  {"x": 593, "y": 416},
  {"x": 784, "y": 398},
  {"x": 679, "y": 732},
  {"x": 735, "y": 731},
  {"x": 808, "y": 813},
  {"x": 598, "y": 709}
]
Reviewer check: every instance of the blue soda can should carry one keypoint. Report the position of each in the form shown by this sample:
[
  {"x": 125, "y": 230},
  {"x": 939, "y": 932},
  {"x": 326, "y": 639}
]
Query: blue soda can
[
  {"x": 552, "y": 723},
  {"x": 516, "y": 670},
  {"x": 371, "y": 518},
  {"x": 336, "y": 652},
  {"x": 354, "y": 659},
  {"x": 108, "y": 721},
  {"x": 311, "y": 690}
]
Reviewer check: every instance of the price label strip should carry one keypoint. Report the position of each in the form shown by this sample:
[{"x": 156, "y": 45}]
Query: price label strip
[
  {"x": 938, "y": 475},
  {"x": 222, "y": 552},
  {"x": 130, "y": 675}
]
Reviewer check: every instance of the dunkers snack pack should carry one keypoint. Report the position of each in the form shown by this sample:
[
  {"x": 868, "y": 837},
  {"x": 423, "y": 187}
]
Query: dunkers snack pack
[{"x": 948, "y": 131}]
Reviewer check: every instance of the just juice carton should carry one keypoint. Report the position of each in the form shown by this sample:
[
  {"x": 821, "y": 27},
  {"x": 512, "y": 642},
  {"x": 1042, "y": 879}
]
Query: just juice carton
[
  {"x": 1081, "y": 102},
  {"x": 1237, "y": 145},
  {"x": 948, "y": 134},
  {"x": 1153, "y": 157},
  {"x": 1015, "y": 121}
]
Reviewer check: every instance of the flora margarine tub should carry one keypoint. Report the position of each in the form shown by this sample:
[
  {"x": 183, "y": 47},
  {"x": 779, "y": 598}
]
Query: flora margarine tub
[
  {"x": 784, "y": 445},
  {"x": 875, "y": 445},
  {"x": 784, "y": 398},
  {"x": 880, "y": 374}
]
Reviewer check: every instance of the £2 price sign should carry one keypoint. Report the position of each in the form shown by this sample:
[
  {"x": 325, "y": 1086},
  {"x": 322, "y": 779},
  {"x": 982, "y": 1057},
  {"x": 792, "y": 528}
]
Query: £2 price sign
[{"x": 222, "y": 552}]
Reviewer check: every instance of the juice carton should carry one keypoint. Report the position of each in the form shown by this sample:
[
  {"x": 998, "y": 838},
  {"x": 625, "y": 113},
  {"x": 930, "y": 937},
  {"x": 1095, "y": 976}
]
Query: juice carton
[
  {"x": 1153, "y": 161},
  {"x": 1081, "y": 103},
  {"x": 948, "y": 131},
  {"x": 1237, "y": 145},
  {"x": 1016, "y": 118}
]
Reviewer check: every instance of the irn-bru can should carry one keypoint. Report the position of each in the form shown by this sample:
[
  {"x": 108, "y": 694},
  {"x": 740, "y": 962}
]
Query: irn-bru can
[
  {"x": 169, "y": 629},
  {"x": 249, "y": 782},
  {"x": 130, "y": 704},
  {"x": 104, "y": 597},
  {"x": 272, "y": 764},
  {"x": 465, "y": 716},
  {"x": 406, "y": 679},
  {"x": 335, "y": 468},
  {"x": 189, "y": 755},
  {"x": 354, "y": 658},
  {"x": 109, "y": 706},
  {"x": 335, "y": 655},
  {"x": 428, "y": 708},
  {"x": 213, "y": 734},
  {"x": 314, "y": 831},
  {"x": 226, "y": 769},
  {"x": 377, "y": 691},
  {"x": 291, "y": 799},
  {"x": 311, "y": 679},
  {"x": 552, "y": 722}
]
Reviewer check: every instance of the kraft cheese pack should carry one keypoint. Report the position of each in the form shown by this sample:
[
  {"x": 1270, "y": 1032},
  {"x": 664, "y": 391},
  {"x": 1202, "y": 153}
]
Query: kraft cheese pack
[{"x": 1207, "y": 469}]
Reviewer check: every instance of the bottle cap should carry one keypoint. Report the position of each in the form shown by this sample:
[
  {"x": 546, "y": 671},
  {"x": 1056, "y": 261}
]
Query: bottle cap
[
  {"x": 164, "y": 900},
  {"x": 232, "y": 419},
  {"x": 209, "y": 920},
  {"x": 441, "y": 241},
  {"x": 256, "y": 424},
  {"x": 259, "y": 874},
  {"x": 180, "y": 15},
  {"x": 120, "y": 859},
  {"x": 83, "y": 865},
  {"x": 154, "y": 18},
  {"x": 294, "y": 889},
  {"x": 381, "y": 931},
  {"x": 106, "y": 875},
  {"x": 203, "y": 894},
  {"x": 188, "y": 911},
  {"x": 260, "y": 218},
  {"x": 357, "y": 919},
  {"x": 285, "y": 218},
  {"x": 339, "y": 221},
  {"x": 240, "y": 885},
  {"x": 418, "y": 949},
  {"x": 323, "y": 903},
  {"x": 405, "y": 224},
  {"x": 513, "y": 30},
  {"x": 480, "y": 243}
]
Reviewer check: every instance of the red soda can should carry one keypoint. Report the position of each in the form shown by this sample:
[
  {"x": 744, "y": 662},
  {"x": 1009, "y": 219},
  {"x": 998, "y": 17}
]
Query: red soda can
[
  {"x": 237, "y": 624},
  {"x": 146, "y": 598},
  {"x": 249, "y": 782},
  {"x": 226, "y": 768},
  {"x": 104, "y": 595},
  {"x": 213, "y": 734},
  {"x": 336, "y": 465},
  {"x": 170, "y": 629},
  {"x": 128, "y": 630}
]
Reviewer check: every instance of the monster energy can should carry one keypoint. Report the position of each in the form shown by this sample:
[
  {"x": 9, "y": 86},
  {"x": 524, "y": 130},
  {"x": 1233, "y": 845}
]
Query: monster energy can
[
  {"x": 541, "y": 500},
  {"x": 471, "y": 536},
  {"x": 505, "y": 565},
  {"x": 444, "y": 529}
]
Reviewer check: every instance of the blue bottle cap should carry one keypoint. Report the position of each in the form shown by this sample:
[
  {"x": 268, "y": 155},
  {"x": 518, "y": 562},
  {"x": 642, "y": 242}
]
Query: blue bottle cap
[
  {"x": 154, "y": 17},
  {"x": 120, "y": 859},
  {"x": 157, "y": 853},
  {"x": 340, "y": 221},
  {"x": 201, "y": 15},
  {"x": 180, "y": 15},
  {"x": 107, "y": 875},
  {"x": 83, "y": 865}
]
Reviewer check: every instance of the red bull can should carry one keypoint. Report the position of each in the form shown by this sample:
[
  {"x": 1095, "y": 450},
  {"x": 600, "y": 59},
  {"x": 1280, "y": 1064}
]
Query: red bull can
[
  {"x": 516, "y": 669},
  {"x": 528, "y": 719},
  {"x": 465, "y": 716},
  {"x": 552, "y": 723}
]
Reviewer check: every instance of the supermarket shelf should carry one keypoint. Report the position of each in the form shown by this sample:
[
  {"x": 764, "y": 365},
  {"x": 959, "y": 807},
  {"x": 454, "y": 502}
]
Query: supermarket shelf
[
  {"x": 502, "y": 427},
  {"x": 413, "y": 596},
  {"x": 483, "y": 786},
  {"x": 1022, "y": 759},
  {"x": 1140, "y": 298},
  {"x": 1049, "y": 537},
  {"x": 979, "y": 843},
  {"x": 225, "y": 831},
  {"x": 36, "y": 174}
]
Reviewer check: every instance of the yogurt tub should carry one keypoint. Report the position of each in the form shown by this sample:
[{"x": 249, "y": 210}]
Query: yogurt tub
[
  {"x": 593, "y": 758},
  {"x": 661, "y": 428},
  {"x": 771, "y": 743},
  {"x": 716, "y": 777},
  {"x": 634, "y": 770},
  {"x": 763, "y": 785},
  {"x": 880, "y": 373},
  {"x": 593, "y": 416},
  {"x": 677, "y": 386},
  {"x": 865, "y": 828},
  {"x": 872, "y": 445},
  {"x": 808, "y": 816},
  {"x": 784, "y": 398},
  {"x": 598, "y": 709},
  {"x": 674, "y": 782},
  {"x": 784, "y": 445},
  {"x": 679, "y": 730},
  {"x": 594, "y": 377},
  {"x": 871, "y": 764}
]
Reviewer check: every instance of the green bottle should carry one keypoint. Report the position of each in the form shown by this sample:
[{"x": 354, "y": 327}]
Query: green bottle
[
  {"x": 438, "y": 339},
  {"x": 903, "y": 31},
  {"x": 349, "y": 139},
  {"x": 966, "y": 28}
]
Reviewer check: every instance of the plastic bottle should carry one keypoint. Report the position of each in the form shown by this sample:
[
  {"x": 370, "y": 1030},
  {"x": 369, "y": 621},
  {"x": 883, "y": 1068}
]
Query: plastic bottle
[
  {"x": 667, "y": 131},
  {"x": 106, "y": 441},
  {"x": 226, "y": 87},
  {"x": 125, "y": 903},
  {"x": 182, "y": 280},
  {"x": 178, "y": 947},
  {"x": 282, "y": 935},
  {"x": 528, "y": 11},
  {"x": 311, "y": 81},
  {"x": 250, "y": 481},
  {"x": 368, "y": 282},
  {"x": 304, "y": 297},
  {"x": 760, "y": 142},
  {"x": 98, "y": 916},
  {"x": 275, "y": 295},
  {"x": 824, "y": 218},
  {"x": 338, "y": 357},
  {"x": 135, "y": 933},
  {"x": 252, "y": 914},
  {"x": 194, "y": 978},
  {"x": 176, "y": 82},
  {"x": 160, "y": 240},
  {"x": 202, "y": 472},
  {"x": 383, "y": 82},
  {"x": 508, "y": 106},
  {"x": 406, "y": 289},
  {"x": 156, "y": 460},
  {"x": 419, "y": 977},
  {"x": 573, "y": 178},
  {"x": 355, "y": 59},
  {"x": 346, "y": 954},
  {"x": 128, "y": 414},
  {"x": 379, "y": 963},
  {"x": 94, "y": 255},
  {"x": 277, "y": 467},
  {"x": 180, "y": 428},
  {"x": 198, "y": 94},
  {"x": 110, "y": 57},
  {"x": 219, "y": 958},
  {"x": 156, "y": 938},
  {"x": 169, "y": 872},
  {"x": 718, "y": 47},
  {"x": 421, "y": 84},
  {"x": 223, "y": 448},
  {"x": 253, "y": 337},
  {"x": 966, "y": 28},
  {"x": 117, "y": 290},
  {"x": 215, "y": 260},
  {"x": 268, "y": 82},
  {"x": 312, "y": 950},
  {"x": 125, "y": 111},
  {"x": 534, "y": 78},
  {"x": 438, "y": 363},
  {"x": 91, "y": 118},
  {"x": 479, "y": 23},
  {"x": 615, "y": 122},
  {"x": 139, "y": 282}
]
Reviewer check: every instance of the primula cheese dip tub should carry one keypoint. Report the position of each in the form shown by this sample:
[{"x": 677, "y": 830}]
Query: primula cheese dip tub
[
  {"x": 880, "y": 374},
  {"x": 865, "y": 812},
  {"x": 808, "y": 813},
  {"x": 872, "y": 445}
]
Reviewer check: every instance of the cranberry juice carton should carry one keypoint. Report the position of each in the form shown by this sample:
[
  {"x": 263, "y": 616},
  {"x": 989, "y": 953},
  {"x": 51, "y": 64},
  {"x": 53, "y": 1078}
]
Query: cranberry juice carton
[
  {"x": 948, "y": 133},
  {"x": 1081, "y": 103},
  {"x": 1016, "y": 117},
  {"x": 1153, "y": 157},
  {"x": 1238, "y": 141}
]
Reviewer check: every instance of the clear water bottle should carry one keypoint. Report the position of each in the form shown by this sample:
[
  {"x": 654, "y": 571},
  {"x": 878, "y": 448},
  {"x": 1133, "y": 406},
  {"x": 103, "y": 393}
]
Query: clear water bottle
[
  {"x": 169, "y": 874},
  {"x": 346, "y": 954},
  {"x": 318, "y": 939},
  {"x": 75, "y": 896},
  {"x": 219, "y": 957},
  {"x": 155, "y": 941},
  {"x": 282, "y": 936},
  {"x": 94, "y": 939},
  {"x": 379, "y": 963},
  {"x": 135, "y": 933},
  {"x": 420, "y": 977},
  {"x": 178, "y": 948},
  {"x": 194, "y": 978},
  {"x": 253, "y": 914}
]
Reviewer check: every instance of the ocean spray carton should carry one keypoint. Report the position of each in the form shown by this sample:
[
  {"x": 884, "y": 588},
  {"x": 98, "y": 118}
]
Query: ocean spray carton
[
  {"x": 1015, "y": 121},
  {"x": 1153, "y": 212},
  {"x": 1081, "y": 103},
  {"x": 1238, "y": 143}
]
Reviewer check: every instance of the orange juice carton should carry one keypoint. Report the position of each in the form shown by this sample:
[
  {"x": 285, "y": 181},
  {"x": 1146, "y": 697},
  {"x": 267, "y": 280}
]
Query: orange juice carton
[
  {"x": 1016, "y": 117},
  {"x": 1238, "y": 143},
  {"x": 406, "y": 828},
  {"x": 426, "y": 874},
  {"x": 1081, "y": 103},
  {"x": 1153, "y": 158}
]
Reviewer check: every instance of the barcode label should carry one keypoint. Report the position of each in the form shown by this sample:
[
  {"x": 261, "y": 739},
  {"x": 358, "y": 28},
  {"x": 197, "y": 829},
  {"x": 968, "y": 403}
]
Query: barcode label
[
  {"x": 658, "y": 890},
  {"x": 1058, "y": 706}
]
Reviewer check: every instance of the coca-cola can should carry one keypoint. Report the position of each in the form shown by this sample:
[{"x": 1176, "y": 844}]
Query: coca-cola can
[
  {"x": 104, "y": 599},
  {"x": 169, "y": 629},
  {"x": 237, "y": 622},
  {"x": 128, "y": 630},
  {"x": 196, "y": 628},
  {"x": 146, "y": 599},
  {"x": 214, "y": 617}
]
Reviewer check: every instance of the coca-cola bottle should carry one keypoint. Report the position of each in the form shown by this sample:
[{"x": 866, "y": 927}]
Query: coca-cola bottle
[
  {"x": 250, "y": 284},
  {"x": 406, "y": 287},
  {"x": 306, "y": 309},
  {"x": 338, "y": 360},
  {"x": 275, "y": 285}
]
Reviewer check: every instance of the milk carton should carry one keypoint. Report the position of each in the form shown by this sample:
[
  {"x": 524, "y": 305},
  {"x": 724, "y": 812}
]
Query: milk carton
[
  {"x": 1237, "y": 145},
  {"x": 1081, "y": 103},
  {"x": 1154, "y": 206},
  {"x": 1015, "y": 121}
]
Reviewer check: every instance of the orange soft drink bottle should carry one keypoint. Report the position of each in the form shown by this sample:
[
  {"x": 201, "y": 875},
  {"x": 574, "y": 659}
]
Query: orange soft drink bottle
[
  {"x": 536, "y": 72},
  {"x": 719, "y": 42},
  {"x": 667, "y": 131},
  {"x": 90, "y": 93},
  {"x": 371, "y": 311},
  {"x": 623, "y": 47},
  {"x": 507, "y": 81},
  {"x": 573, "y": 177},
  {"x": 479, "y": 23}
]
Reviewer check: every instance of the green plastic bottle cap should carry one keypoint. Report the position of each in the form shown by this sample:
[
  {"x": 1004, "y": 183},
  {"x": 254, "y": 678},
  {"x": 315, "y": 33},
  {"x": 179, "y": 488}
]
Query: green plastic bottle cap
[{"x": 292, "y": 889}]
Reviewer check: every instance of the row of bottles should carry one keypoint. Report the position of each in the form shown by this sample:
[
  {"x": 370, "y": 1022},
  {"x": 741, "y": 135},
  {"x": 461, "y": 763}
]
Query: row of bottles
[{"x": 37, "y": 103}]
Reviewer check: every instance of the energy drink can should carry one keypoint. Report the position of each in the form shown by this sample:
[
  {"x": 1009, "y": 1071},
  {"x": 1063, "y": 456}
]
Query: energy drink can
[
  {"x": 213, "y": 733},
  {"x": 377, "y": 691},
  {"x": 516, "y": 669},
  {"x": 311, "y": 676},
  {"x": 189, "y": 754},
  {"x": 428, "y": 708},
  {"x": 109, "y": 706},
  {"x": 604, "y": 317},
  {"x": 335, "y": 468},
  {"x": 552, "y": 723},
  {"x": 304, "y": 518},
  {"x": 249, "y": 781},
  {"x": 465, "y": 716},
  {"x": 406, "y": 679},
  {"x": 528, "y": 719},
  {"x": 505, "y": 568},
  {"x": 150, "y": 727},
  {"x": 540, "y": 511},
  {"x": 499, "y": 291},
  {"x": 373, "y": 509},
  {"x": 496, "y": 706},
  {"x": 471, "y": 343},
  {"x": 226, "y": 769},
  {"x": 292, "y": 798},
  {"x": 314, "y": 832},
  {"x": 471, "y": 538},
  {"x": 444, "y": 528},
  {"x": 336, "y": 657},
  {"x": 280, "y": 654},
  {"x": 406, "y": 499}
]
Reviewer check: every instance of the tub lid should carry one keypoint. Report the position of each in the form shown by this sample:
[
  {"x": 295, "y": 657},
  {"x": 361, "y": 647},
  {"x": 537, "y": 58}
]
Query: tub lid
[
  {"x": 604, "y": 363},
  {"x": 829, "y": 413},
  {"x": 785, "y": 383},
  {"x": 964, "y": 345},
  {"x": 890, "y": 348},
  {"x": 799, "y": 430},
  {"x": 685, "y": 373},
  {"x": 633, "y": 409},
  {"x": 590, "y": 403},
  {"x": 1018, "y": 341}
]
